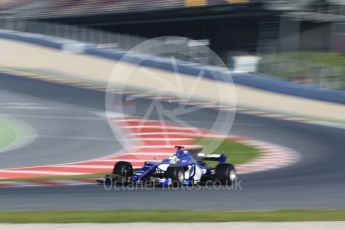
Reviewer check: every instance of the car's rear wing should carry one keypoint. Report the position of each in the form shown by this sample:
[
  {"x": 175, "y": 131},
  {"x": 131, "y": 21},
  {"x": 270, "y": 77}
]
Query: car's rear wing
[{"x": 221, "y": 158}]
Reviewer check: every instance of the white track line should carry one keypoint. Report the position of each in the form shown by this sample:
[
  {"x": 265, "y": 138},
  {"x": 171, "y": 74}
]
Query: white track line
[
  {"x": 159, "y": 127},
  {"x": 165, "y": 146},
  {"x": 18, "y": 171},
  {"x": 86, "y": 166},
  {"x": 115, "y": 160},
  {"x": 148, "y": 153},
  {"x": 164, "y": 133},
  {"x": 161, "y": 139}
]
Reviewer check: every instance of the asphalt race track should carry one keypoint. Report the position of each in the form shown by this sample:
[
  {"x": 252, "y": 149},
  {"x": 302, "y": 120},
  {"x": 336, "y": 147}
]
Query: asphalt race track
[
  {"x": 75, "y": 132},
  {"x": 65, "y": 118}
]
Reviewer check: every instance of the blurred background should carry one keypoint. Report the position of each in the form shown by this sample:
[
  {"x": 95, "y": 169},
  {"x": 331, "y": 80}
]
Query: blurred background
[
  {"x": 61, "y": 59},
  {"x": 302, "y": 41}
]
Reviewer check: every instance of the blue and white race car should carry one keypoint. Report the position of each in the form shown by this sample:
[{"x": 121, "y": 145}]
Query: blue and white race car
[{"x": 182, "y": 168}]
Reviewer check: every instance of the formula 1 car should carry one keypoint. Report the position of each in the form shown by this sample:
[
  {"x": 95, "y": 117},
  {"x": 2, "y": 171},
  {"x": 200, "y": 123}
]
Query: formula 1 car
[{"x": 182, "y": 168}]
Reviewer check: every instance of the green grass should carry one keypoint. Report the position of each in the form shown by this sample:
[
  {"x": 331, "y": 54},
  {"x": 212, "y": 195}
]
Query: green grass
[
  {"x": 7, "y": 134},
  {"x": 236, "y": 152},
  {"x": 126, "y": 216},
  {"x": 316, "y": 65}
]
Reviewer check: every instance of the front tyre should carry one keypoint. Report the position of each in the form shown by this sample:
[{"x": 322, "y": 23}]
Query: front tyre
[
  {"x": 176, "y": 174},
  {"x": 123, "y": 169},
  {"x": 226, "y": 173}
]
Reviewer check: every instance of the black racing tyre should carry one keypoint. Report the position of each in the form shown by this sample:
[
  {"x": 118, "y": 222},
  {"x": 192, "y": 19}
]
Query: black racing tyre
[
  {"x": 123, "y": 168},
  {"x": 108, "y": 180},
  {"x": 225, "y": 173},
  {"x": 176, "y": 174}
]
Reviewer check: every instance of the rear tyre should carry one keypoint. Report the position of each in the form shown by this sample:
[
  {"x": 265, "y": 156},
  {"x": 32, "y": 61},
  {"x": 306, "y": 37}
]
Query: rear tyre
[
  {"x": 226, "y": 173},
  {"x": 176, "y": 174},
  {"x": 123, "y": 168}
]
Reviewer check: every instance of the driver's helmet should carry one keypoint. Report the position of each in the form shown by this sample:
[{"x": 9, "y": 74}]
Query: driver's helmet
[
  {"x": 179, "y": 153},
  {"x": 173, "y": 159}
]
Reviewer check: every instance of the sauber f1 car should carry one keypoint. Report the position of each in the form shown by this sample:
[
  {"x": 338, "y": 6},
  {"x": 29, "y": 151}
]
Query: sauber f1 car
[{"x": 182, "y": 168}]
